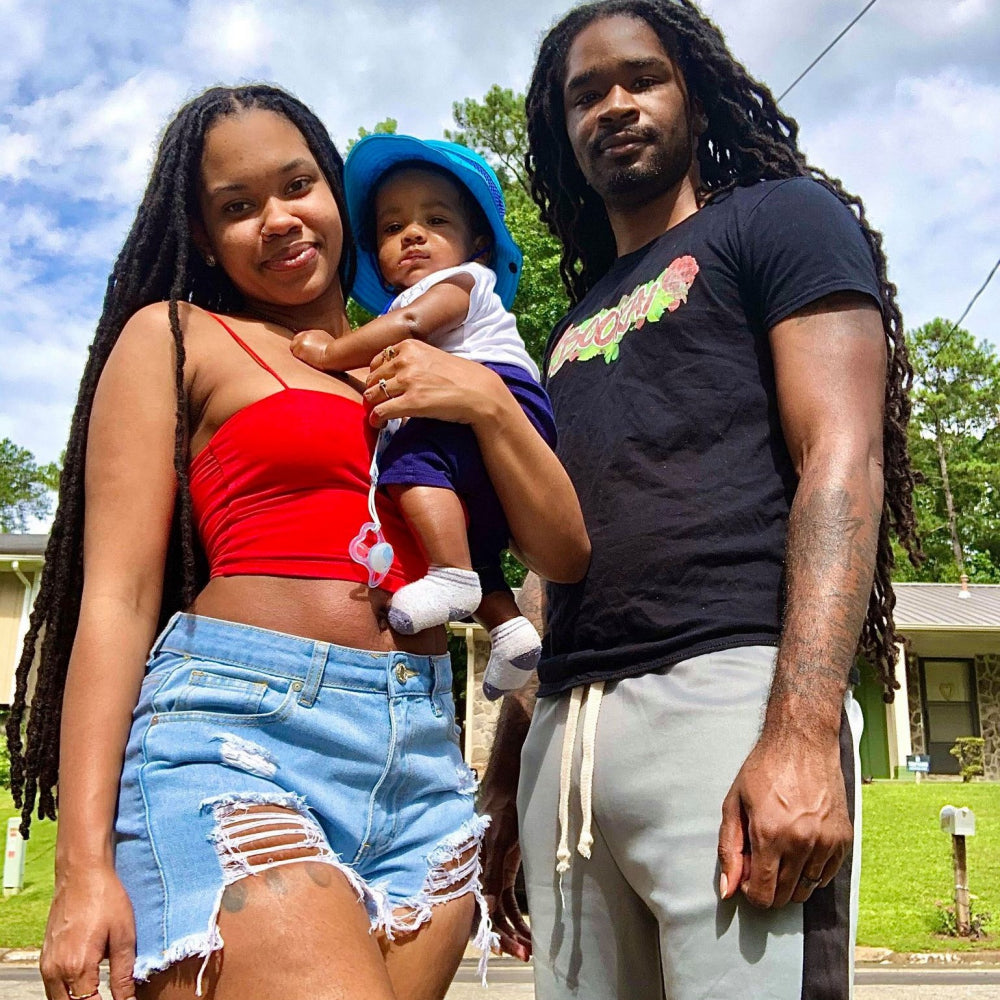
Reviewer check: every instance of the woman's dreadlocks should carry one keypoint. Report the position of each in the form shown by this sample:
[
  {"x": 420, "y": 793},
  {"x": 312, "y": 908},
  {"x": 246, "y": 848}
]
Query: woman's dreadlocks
[
  {"x": 158, "y": 262},
  {"x": 747, "y": 139}
]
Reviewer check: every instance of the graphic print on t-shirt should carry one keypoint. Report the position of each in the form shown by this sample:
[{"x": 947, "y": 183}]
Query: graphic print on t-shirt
[{"x": 600, "y": 335}]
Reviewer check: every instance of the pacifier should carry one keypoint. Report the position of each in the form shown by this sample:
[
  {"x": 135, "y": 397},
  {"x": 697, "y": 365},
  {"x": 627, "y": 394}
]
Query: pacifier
[{"x": 370, "y": 549}]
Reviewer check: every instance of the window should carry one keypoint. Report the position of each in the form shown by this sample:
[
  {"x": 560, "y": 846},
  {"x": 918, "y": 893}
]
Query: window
[{"x": 948, "y": 690}]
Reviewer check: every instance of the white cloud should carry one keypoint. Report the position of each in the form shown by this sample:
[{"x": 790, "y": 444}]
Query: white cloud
[
  {"x": 927, "y": 172},
  {"x": 906, "y": 109}
]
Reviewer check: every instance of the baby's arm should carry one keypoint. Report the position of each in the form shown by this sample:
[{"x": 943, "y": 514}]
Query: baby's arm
[{"x": 440, "y": 309}]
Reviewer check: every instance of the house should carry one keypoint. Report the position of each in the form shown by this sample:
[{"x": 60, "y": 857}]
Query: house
[
  {"x": 21, "y": 561},
  {"x": 949, "y": 671}
]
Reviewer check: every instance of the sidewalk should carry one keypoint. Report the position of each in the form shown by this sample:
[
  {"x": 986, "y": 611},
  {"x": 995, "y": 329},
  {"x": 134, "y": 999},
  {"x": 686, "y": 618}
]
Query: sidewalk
[{"x": 511, "y": 980}]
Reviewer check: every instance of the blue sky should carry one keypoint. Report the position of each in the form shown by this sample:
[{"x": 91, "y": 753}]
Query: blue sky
[{"x": 906, "y": 110}]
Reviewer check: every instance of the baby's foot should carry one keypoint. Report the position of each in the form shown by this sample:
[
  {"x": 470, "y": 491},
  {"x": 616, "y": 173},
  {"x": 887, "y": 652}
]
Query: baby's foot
[
  {"x": 515, "y": 654},
  {"x": 446, "y": 593}
]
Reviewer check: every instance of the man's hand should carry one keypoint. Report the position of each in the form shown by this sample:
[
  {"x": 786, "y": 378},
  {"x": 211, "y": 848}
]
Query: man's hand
[
  {"x": 501, "y": 861},
  {"x": 785, "y": 824}
]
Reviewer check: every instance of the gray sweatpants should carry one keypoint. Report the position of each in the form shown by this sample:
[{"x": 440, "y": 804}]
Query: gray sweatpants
[{"x": 642, "y": 919}]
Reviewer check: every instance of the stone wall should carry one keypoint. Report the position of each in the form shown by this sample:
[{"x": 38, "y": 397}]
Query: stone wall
[
  {"x": 481, "y": 717},
  {"x": 913, "y": 702},
  {"x": 988, "y": 685}
]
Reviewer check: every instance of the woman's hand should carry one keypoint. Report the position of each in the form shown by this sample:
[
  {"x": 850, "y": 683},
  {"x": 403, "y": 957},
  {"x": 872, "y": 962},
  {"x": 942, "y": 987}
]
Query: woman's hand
[
  {"x": 91, "y": 917},
  {"x": 413, "y": 379}
]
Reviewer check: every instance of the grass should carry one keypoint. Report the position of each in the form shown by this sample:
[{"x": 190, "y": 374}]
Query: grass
[
  {"x": 906, "y": 864},
  {"x": 22, "y": 917},
  {"x": 906, "y": 868}
]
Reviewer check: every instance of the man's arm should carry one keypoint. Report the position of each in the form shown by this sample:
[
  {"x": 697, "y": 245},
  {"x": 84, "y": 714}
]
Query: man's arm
[
  {"x": 785, "y": 827},
  {"x": 498, "y": 796}
]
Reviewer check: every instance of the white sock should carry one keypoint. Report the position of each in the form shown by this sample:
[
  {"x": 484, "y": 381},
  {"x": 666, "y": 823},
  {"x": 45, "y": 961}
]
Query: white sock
[
  {"x": 446, "y": 593},
  {"x": 515, "y": 654}
]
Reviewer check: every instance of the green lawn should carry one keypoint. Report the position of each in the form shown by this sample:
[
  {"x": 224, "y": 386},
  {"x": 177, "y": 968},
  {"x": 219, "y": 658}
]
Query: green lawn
[
  {"x": 906, "y": 864},
  {"x": 22, "y": 917},
  {"x": 906, "y": 867}
]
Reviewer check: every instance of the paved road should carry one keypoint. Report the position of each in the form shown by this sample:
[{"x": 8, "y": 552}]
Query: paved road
[{"x": 512, "y": 981}]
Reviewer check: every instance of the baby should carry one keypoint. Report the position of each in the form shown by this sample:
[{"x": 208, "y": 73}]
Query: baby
[{"x": 437, "y": 262}]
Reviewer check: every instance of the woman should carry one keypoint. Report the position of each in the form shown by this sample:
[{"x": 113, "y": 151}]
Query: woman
[{"x": 278, "y": 806}]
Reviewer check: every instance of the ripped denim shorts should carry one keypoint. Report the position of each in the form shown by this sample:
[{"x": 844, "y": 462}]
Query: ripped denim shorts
[{"x": 357, "y": 749}]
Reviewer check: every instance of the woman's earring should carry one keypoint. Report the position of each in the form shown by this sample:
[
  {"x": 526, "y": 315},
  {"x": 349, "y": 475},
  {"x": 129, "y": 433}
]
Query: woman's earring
[{"x": 209, "y": 260}]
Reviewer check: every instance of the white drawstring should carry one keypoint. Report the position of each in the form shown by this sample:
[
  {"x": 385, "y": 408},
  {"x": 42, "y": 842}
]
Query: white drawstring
[
  {"x": 565, "y": 766},
  {"x": 592, "y": 694}
]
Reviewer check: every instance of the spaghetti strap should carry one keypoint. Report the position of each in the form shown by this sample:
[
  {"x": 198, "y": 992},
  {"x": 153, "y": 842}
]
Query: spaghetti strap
[{"x": 253, "y": 354}]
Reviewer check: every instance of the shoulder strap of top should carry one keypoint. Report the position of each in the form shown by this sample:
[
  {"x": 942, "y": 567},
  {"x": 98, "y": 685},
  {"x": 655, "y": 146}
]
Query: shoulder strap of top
[{"x": 253, "y": 354}]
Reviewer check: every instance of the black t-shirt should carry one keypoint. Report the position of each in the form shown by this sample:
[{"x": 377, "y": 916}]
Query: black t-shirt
[{"x": 663, "y": 389}]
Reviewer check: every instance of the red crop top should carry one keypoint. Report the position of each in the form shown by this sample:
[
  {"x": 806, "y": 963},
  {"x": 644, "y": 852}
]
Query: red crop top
[{"x": 282, "y": 489}]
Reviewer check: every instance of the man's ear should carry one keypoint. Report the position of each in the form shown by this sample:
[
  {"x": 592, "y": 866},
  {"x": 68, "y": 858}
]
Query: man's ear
[{"x": 200, "y": 239}]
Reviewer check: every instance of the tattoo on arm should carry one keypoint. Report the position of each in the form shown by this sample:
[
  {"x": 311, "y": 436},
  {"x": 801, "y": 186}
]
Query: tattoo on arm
[{"x": 830, "y": 558}]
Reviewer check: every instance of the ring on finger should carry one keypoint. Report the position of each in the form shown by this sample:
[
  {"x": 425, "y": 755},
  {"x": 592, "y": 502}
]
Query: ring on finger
[
  {"x": 81, "y": 996},
  {"x": 809, "y": 880},
  {"x": 384, "y": 388},
  {"x": 389, "y": 353}
]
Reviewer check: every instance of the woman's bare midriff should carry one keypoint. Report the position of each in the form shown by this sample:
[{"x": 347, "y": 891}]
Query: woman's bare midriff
[{"x": 335, "y": 611}]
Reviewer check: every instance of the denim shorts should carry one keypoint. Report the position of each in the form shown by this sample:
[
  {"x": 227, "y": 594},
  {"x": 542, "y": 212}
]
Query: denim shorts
[{"x": 358, "y": 749}]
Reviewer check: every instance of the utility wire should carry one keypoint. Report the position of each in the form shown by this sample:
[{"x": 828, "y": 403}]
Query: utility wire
[
  {"x": 958, "y": 322},
  {"x": 788, "y": 90}
]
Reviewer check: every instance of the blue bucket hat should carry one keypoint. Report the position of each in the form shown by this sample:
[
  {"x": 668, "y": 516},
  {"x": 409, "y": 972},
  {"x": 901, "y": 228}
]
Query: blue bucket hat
[{"x": 372, "y": 156}]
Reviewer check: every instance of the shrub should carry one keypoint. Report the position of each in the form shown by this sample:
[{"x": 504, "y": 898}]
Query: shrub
[
  {"x": 969, "y": 752},
  {"x": 947, "y": 920},
  {"x": 4, "y": 754}
]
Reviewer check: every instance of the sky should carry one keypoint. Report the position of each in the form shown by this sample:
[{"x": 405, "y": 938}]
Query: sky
[{"x": 905, "y": 110}]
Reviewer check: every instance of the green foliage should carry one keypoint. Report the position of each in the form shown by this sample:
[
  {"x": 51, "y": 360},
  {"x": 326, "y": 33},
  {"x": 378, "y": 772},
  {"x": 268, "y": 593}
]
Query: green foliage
[
  {"x": 495, "y": 128},
  {"x": 4, "y": 755},
  {"x": 387, "y": 126},
  {"x": 969, "y": 751},
  {"x": 955, "y": 446},
  {"x": 947, "y": 920},
  {"x": 24, "y": 487}
]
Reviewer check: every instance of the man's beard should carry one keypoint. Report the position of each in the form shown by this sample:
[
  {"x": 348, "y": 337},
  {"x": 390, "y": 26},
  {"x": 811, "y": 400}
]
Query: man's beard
[{"x": 641, "y": 182}]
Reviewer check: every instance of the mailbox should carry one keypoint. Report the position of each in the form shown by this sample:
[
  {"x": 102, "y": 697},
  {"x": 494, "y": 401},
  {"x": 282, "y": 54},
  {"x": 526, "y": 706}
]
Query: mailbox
[
  {"x": 958, "y": 821},
  {"x": 13, "y": 859}
]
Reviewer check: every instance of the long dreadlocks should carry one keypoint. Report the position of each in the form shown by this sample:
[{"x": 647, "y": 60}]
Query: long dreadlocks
[
  {"x": 747, "y": 139},
  {"x": 158, "y": 262}
]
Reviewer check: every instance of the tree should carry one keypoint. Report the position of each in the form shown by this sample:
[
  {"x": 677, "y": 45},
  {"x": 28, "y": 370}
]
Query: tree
[
  {"x": 24, "y": 487},
  {"x": 495, "y": 127},
  {"x": 955, "y": 446},
  {"x": 387, "y": 126}
]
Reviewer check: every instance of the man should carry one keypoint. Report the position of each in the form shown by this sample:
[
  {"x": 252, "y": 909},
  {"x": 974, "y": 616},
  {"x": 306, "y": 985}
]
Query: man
[{"x": 729, "y": 387}]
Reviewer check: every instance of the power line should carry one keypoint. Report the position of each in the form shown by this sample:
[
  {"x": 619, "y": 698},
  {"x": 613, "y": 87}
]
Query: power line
[
  {"x": 965, "y": 312},
  {"x": 788, "y": 90}
]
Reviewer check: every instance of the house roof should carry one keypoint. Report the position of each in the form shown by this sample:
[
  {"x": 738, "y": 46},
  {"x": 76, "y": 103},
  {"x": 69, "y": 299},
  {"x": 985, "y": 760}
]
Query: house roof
[
  {"x": 938, "y": 606},
  {"x": 13, "y": 545}
]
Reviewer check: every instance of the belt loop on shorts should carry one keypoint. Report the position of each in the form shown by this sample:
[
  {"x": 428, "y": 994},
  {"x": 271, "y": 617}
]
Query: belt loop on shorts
[
  {"x": 161, "y": 638},
  {"x": 321, "y": 650}
]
